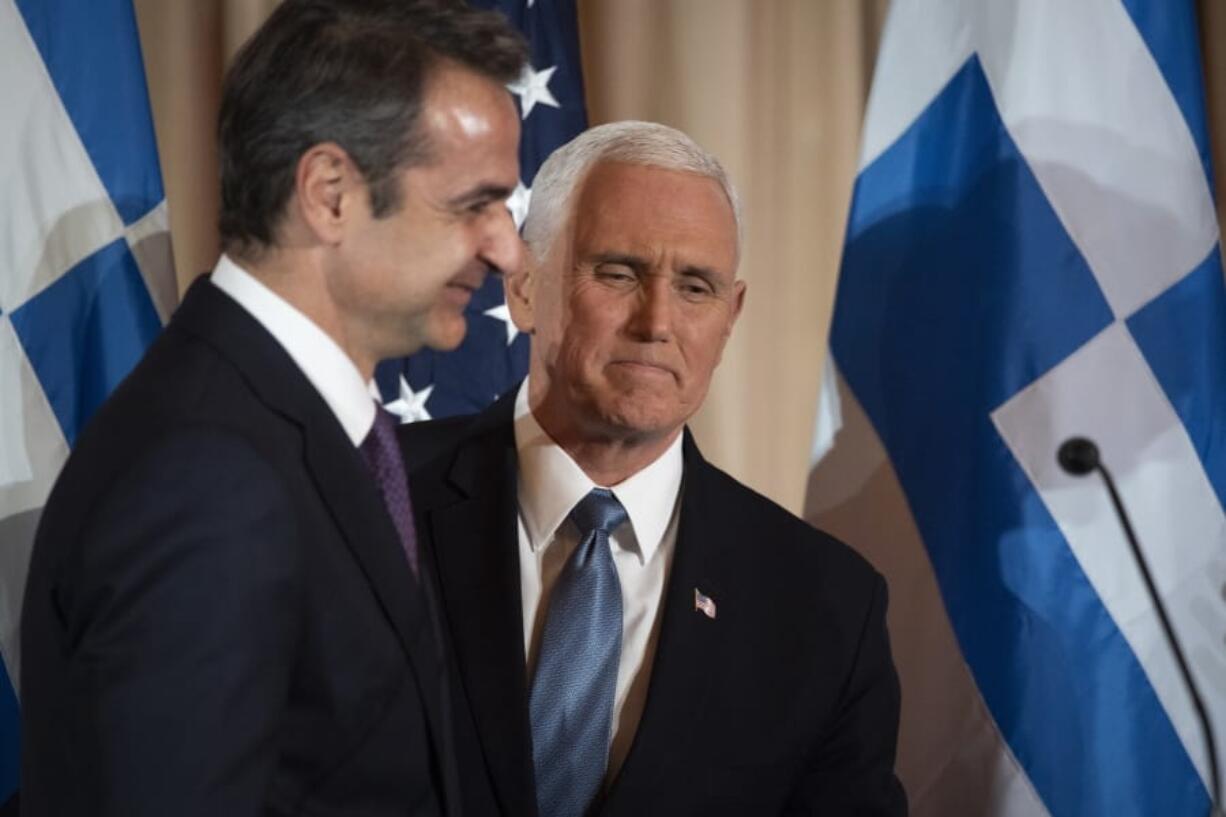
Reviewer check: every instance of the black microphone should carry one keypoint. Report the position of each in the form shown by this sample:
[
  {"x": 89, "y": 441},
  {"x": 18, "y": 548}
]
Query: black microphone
[{"x": 1079, "y": 456}]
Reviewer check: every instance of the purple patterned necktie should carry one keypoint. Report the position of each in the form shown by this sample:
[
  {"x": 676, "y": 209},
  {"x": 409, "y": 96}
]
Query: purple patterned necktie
[{"x": 382, "y": 453}]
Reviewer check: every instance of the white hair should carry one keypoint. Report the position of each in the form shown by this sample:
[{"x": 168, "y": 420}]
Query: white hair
[{"x": 631, "y": 142}]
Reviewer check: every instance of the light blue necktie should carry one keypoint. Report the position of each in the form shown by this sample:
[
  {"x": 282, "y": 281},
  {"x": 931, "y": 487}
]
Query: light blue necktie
[{"x": 576, "y": 675}]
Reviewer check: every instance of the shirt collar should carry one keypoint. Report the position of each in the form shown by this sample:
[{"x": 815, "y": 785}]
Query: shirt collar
[
  {"x": 325, "y": 364},
  {"x": 551, "y": 484}
]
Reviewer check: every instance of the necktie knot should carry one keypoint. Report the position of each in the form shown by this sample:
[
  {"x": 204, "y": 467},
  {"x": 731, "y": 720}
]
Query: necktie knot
[
  {"x": 380, "y": 444},
  {"x": 599, "y": 510}
]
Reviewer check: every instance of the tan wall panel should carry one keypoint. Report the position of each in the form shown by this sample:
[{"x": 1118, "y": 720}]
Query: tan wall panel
[{"x": 187, "y": 44}]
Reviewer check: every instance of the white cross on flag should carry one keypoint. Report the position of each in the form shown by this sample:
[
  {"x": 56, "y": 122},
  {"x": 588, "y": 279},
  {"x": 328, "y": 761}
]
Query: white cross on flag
[{"x": 1032, "y": 254}]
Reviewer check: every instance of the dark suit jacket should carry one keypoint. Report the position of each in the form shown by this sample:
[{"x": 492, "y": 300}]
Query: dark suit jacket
[
  {"x": 219, "y": 618},
  {"x": 785, "y": 703}
]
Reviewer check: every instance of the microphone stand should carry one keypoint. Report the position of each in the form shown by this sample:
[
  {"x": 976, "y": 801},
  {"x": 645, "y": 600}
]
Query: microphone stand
[{"x": 1079, "y": 456}]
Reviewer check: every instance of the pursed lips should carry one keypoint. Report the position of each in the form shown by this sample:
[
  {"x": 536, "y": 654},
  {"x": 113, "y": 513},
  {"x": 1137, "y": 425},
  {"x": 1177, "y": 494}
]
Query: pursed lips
[{"x": 646, "y": 366}]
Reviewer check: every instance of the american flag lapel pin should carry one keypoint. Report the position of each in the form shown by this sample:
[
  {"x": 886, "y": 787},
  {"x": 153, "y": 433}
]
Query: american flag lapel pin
[{"x": 704, "y": 604}]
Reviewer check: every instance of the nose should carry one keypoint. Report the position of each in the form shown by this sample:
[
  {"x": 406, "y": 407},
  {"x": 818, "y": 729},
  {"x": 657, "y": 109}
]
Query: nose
[
  {"x": 502, "y": 249},
  {"x": 653, "y": 313}
]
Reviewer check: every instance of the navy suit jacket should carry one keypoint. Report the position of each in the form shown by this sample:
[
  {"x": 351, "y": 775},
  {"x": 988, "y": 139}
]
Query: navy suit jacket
[
  {"x": 786, "y": 702},
  {"x": 219, "y": 618}
]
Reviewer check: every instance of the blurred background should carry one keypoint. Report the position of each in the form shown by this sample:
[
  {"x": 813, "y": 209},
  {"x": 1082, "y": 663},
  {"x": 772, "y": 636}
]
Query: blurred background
[{"x": 775, "y": 88}]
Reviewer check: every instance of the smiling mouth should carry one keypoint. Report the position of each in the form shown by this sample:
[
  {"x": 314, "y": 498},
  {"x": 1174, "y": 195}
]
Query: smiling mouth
[
  {"x": 469, "y": 281},
  {"x": 463, "y": 289}
]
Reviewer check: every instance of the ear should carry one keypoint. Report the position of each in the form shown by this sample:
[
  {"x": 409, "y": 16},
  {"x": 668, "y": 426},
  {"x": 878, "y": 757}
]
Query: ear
[
  {"x": 520, "y": 288},
  {"x": 327, "y": 187}
]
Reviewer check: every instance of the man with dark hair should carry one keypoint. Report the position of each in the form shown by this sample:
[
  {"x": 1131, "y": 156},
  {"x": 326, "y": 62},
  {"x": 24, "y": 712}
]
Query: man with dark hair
[
  {"x": 227, "y": 612},
  {"x": 636, "y": 632}
]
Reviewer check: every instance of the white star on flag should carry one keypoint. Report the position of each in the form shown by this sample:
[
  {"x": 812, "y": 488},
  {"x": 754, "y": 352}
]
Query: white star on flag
[
  {"x": 503, "y": 313},
  {"x": 410, "y": 407},
  {"x": 533, "y": 87},
  {"x": 518, "y": 202}
]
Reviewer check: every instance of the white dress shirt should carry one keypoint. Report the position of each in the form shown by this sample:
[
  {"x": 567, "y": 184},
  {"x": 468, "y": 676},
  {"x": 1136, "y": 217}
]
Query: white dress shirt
[
  {"x": 325, "y": 364},
  {"x": 550, "y": 485}
]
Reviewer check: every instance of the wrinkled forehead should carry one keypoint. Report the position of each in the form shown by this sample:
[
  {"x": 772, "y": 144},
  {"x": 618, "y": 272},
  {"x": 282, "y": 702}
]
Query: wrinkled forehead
[{"x": 648, "y": 208}]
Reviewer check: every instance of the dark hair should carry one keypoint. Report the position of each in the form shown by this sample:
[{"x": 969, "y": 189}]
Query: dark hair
[{"x": 351, "y": 72}]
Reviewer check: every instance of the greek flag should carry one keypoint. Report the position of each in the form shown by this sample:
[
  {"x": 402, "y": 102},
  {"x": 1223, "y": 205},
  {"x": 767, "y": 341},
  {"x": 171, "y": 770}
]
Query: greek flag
[
  {"x": 494, "y": 355},
  {"x": 1032, "y": 254},
  {"x": 86, "y": 277}
]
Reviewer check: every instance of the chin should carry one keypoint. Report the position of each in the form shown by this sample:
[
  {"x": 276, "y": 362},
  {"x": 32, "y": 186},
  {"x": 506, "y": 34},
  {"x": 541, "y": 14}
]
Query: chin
[
  {"x": 447, "y": 336},
  {"x": 635, "y": 418}
]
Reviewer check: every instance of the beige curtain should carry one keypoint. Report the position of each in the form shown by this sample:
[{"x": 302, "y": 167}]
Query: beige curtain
[
  {"x": 187, "y": 45},
  {"x": 776, "y": 88}
]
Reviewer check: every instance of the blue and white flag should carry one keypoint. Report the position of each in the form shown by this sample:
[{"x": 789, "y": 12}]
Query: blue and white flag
[
  {"x": 86, "y": 276},
  {"x": 494, "y": 355},
  {"x": 1032, "y": 254}
]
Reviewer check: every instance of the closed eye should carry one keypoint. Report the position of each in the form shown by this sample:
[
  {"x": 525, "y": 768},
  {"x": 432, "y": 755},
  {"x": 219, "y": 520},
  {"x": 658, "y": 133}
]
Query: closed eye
[
  {"x": 484, "y": 206},
  {"x": 695, "y": 284},
  {"x": 478, "y": 201},
  {"x": 616, "y": 271}
]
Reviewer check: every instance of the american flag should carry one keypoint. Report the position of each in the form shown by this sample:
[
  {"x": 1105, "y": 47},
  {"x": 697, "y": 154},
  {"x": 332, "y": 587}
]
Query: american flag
[{"x": 494, "y": 355}]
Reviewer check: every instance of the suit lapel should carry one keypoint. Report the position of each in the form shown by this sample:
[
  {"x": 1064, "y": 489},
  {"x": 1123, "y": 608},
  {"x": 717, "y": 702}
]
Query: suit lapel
[
  {"x": 470, "y": 518},
  {"x": 359, "y": 512},
  {"x": 337, "y": 469},
  {"x": 690, "y": 649}
]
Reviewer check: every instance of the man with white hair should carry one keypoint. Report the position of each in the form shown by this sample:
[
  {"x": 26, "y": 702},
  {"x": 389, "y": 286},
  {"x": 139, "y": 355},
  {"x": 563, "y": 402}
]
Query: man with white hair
[{"x": 635, "y": 631}]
